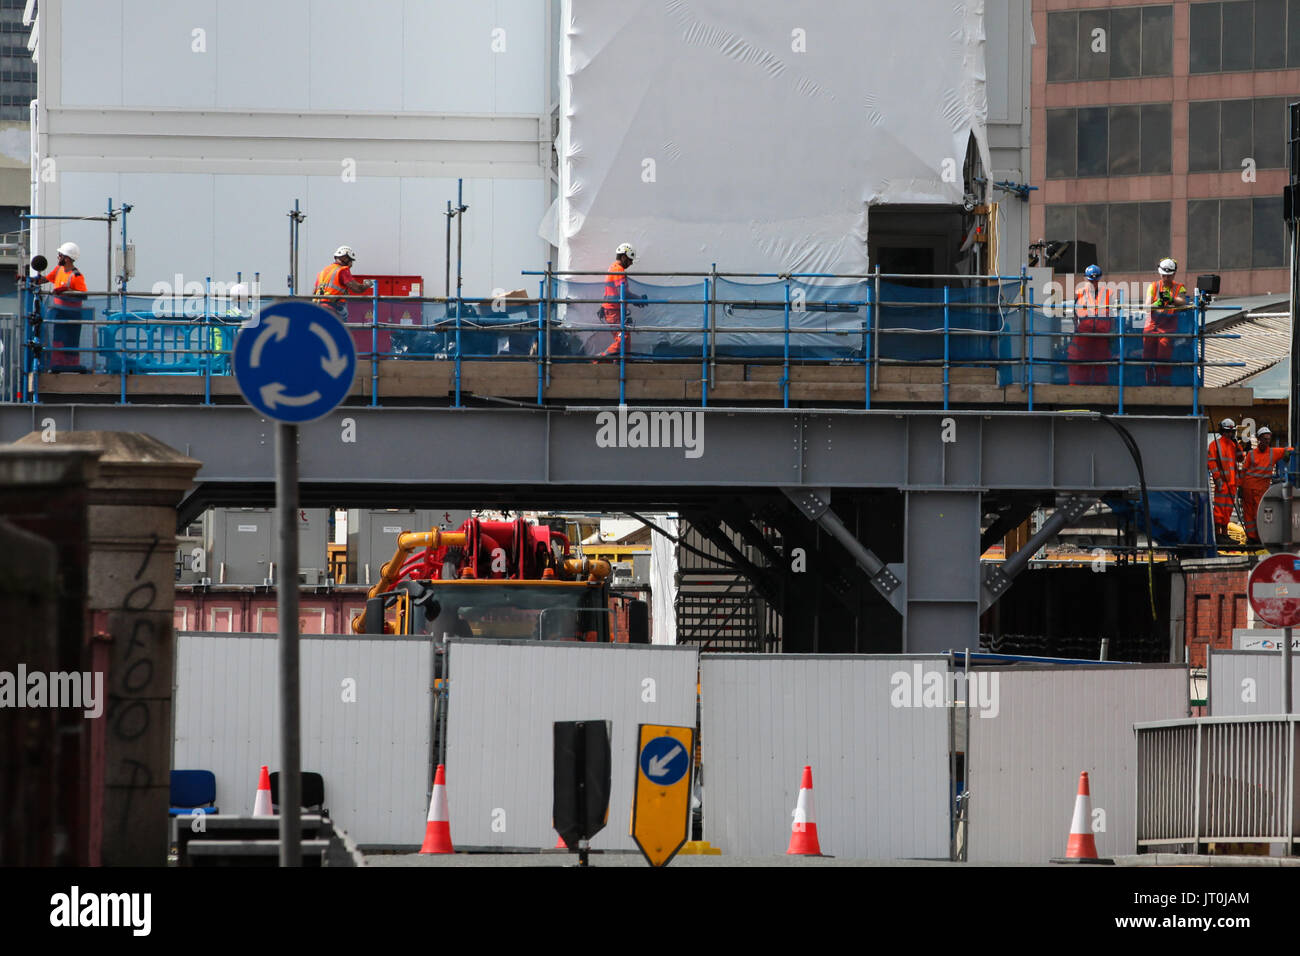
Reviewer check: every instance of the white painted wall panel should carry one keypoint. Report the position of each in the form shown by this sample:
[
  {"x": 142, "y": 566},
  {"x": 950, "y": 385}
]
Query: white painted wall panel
[
  {"x": 161, "y": 65},
  {"x": 373, "y": 753},
  {"x": 261, "y": 54},
  {"x": 1238, "y": 676},
  {"x": 504, "y": 700},
  {"x": 1052, "y": 724},
  {"x": 355, "y": 55},
  {"x": 880, "y": 772},
  {"x": 92, "y": 57}
]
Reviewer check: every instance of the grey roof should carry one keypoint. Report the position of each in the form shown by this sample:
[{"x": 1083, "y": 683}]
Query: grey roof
[{"x": 1263, "y": 324}]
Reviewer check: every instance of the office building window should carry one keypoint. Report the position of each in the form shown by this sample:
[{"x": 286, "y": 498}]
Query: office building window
[
  {"x": 1235, "y": 234},
  {"x": 1110, "y": 44},
  {"x": 1108, "y": 141},
  {"x": 1119, "y": 237},
  {"x": 1244, "y": 35},
  {"x": 1223, "y": 134}
]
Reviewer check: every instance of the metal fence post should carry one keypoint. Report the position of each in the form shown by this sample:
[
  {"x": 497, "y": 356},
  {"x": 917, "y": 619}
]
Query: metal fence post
[
  {"x": 866, "y": 346},
  {"x": 704, "y": 347},
  {"x": 785, "y": 361},
  {"x": 622, "y": 342},
  {"x": 875, "y": 332},
  {"x": 541, "y": 345},
  {"x": 947, "y": 339},
  {"x": 456, "y": 403},
  {"x": 1030, "y": 368},
  {"x": 1122, "y": 320},
  {"x": 1025, "y": 294},
  {"x": 205, "y": 336},
  {"x": 374, "y": 344}
]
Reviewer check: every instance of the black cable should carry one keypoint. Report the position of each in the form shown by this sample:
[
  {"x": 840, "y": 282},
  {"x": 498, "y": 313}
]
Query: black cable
[
  {"x": 1136, "y": 454},
  {"x": 682, "y": 544}
]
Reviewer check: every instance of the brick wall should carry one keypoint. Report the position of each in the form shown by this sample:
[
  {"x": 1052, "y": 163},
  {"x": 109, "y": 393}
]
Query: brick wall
[{"x": 1216, "y": 603}]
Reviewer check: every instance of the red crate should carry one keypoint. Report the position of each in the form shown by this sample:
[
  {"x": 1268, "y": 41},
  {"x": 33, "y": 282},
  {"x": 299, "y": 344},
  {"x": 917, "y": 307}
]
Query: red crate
[{"x": 398, "y": 313}]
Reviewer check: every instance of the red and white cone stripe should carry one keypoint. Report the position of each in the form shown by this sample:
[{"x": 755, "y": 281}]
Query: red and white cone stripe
[
  {"x": 437, "y": 828},
  {"x": 1082, "y": 845},
  {"x": 262, "y": 802},
  {"x": 803, "y": 831}
]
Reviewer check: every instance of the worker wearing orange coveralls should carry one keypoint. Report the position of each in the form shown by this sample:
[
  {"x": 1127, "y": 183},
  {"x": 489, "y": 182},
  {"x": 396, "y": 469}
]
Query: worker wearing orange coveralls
[
  {"x": 65, "y": 308},
  {"x": 1163, "y": 297},
  {"x": 1221, "y": 459},
  {"x": 1257, "y": 468},
  {"x": 616, "y": 293},
  {"x": 1091, "y": 315}
]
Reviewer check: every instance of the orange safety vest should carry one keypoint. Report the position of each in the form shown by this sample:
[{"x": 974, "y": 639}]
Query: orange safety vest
[
  {"x": 1160, "y": 318},
  {"x": 614, "y": 281},
  {"x": 1091, "y": 314},
  {"x": 327, "y": 280},
  {"x": 67, "y": 280},
  {"x": 1259, "y": 463}
]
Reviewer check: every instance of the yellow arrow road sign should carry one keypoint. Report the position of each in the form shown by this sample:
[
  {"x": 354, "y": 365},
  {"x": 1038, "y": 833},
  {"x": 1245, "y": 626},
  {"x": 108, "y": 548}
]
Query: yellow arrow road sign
[{"x": 661, "y": 801}]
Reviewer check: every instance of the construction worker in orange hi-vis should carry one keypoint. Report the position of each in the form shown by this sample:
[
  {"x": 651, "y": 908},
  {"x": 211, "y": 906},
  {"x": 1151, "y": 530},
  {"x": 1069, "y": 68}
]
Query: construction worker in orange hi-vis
[
  {"x": 1092, "y": 318},
  {"x": 611, "y": 310},
  {"x": 1221, "y": 459},
  {"x": 65, "y": 309},
  {"x": 336, "y": 280},
  {"x": 1257, "y": 470},
  {"x": 1164, "y": 297}
]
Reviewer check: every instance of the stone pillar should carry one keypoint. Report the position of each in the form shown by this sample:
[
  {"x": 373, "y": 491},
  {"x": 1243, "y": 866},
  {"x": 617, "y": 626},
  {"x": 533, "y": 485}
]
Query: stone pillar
[
  {"x": 131, "y": 593},
  {"x": 45, "y": 808}
]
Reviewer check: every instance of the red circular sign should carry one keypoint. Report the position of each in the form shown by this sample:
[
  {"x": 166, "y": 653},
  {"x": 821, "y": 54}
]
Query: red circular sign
[{"x": 1274, "y": 590}]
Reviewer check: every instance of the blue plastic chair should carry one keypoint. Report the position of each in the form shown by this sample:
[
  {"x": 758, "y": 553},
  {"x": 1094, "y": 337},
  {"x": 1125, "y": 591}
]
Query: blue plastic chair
[{"x": 193, "y": 791}]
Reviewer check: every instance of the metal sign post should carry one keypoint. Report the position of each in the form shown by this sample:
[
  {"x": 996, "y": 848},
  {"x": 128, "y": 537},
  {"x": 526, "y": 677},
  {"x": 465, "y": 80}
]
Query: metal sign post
[{"x": 294, "y": 363}]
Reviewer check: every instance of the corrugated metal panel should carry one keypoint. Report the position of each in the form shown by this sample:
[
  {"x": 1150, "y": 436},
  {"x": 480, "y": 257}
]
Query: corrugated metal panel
[
  {"x": 504, "y": 698},
  {"x": 1265, "y": 337},
  {"x": 372, "y": 752},
  {"x": 880, "y": 771},
  {"x": 1051, "y": 724},
  {"x": 1231, "y": 696}
]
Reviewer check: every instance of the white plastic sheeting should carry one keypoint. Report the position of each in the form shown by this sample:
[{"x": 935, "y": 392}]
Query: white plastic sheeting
[
  {"x": 758, "y": 135},
  {"x": 663, "y": 583}
]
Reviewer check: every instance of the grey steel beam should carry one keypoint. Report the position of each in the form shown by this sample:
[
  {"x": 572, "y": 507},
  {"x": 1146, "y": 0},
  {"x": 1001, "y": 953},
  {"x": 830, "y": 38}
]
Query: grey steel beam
[
  {"x": 815, "y": 503},
  {"x": 998, "y": 578},
  {"x": 736, "y": 448}
]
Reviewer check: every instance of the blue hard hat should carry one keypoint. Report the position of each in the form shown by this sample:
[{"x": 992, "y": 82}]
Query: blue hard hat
[{"x": 1093, "y": 272}]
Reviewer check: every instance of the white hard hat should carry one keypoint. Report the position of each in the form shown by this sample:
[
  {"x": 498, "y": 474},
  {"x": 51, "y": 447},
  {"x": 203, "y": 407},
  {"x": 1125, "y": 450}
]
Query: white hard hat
[
  {"x": 343, "y": 251},
  {"x": 1264, "y": 431},
  {"x": 71, "y": 250},
  {"x": 1227, "y": 423},
  {"x": 625, "y": 250},
  {"x": 1167, "y": 267}
]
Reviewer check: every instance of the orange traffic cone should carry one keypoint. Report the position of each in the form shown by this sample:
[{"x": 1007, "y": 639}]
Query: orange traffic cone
[
  {"x": 559, "y": 843},
  {"x": 803, "y": 832},
  {"x": 1082, "y": 847},
  {"x": 262, "y": 802},
  {"x": 437, "y": 830}
]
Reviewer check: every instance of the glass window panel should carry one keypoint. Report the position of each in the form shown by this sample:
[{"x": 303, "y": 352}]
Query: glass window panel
[
  {"x": 1157, "y": 40},
  {"x": 1094, "y": 65},
  {"x": 1202, "y": 136},
  {"x": 1061, "y": 149},
  {"x": 1234, "y": 234},
  {"x": 1124, "y": 248},
  {"x": 1092, "y": 228},
  {"x": 1155, "y": 232},
  {"x": 1092, "y": 141},
  {"x": 1293, "y": 33},
  {"x": 1270, "y": 34},
  {"x": 1239, "y": 35},
  {"x": 1270, "y": 133},
  {"x": 1269, "y": 246},
  {"x": 1125, "y": 41},
  {"x": 1202, "y": 235},
  {"x": 1157, "y": 136},
  {"x": 1062, "y": 46},
  {"x": 1235, "y": 139},
  {"x": 1205, "y": 40},
  {"x": 1125, "y": 125}
]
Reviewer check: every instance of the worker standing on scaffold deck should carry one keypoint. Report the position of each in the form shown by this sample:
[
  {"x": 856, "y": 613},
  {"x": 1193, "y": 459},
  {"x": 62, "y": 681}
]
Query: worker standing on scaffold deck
[
  {"x": 616, "y": 287},
  {"x": 1089, "y": 352},
  {"x": 336, "y": 280},
  {"x": 1164, "y": 296},
  {"x": 65, "y": 310}
]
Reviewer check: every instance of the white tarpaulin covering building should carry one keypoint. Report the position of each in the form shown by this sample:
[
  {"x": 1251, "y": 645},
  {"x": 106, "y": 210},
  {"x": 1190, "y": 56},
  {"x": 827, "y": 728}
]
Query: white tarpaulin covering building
[{"x": 758, "y": 135}]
